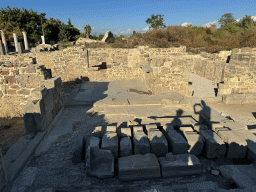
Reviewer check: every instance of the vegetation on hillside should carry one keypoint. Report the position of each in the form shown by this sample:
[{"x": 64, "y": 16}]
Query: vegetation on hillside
[{"x": 232, "y": 33}]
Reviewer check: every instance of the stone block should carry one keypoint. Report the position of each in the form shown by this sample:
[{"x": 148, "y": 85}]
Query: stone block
[
  {"x": 236, "y": 146},
  {"x": 39, "y": 93},
  {"x": 141, "y": 143},
  {"x": 101, "y": 163},
  {"x": 177, "y": 143},
  {"x": 125, "y": 147},
  {"x": 214, "y": 145},
  {"x": 34, "y": 116},
  {"x": 250, "y": 138},
  {"x": 97, "y": 132},
  {"x": 126, "y": 132},
  {"x": 195, "y": 141},
  {"x": 138, "y": 167},
  {"x": 2, "y": 49},
  {"x": 20, "y": 47},
  {"x": 77, "y": 150},
  {"x": 158, "y": 143},
  {"x": 184, "y": 164},
  {"x": 170, "y": 157},
  {"x": 53, "y": 82},
  {"x": 110, "y": 142},
  {"x": 91, "y": 143},
  {"x": 232, "y": 172}
]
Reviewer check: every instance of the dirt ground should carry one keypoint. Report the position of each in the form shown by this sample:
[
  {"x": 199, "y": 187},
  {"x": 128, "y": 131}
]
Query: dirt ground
[{"x": 11, "y": 130}]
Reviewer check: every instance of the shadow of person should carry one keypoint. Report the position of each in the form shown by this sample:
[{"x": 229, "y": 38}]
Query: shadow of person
[
  {"x": 204, "y": 113},
  {"x": 176, "y": 121}
]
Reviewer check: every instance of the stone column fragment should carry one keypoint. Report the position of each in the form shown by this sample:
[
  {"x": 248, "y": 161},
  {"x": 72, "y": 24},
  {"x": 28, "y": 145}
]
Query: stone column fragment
[
  {"x": 4, "y": 41},
  {"x": 25, "y": 40},
  {"x": 15, "y": 41}
]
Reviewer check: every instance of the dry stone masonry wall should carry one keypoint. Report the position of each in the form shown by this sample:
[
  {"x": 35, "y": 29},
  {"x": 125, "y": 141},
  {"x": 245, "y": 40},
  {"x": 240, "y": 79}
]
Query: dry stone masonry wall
[{"x": 159, "y": 69}]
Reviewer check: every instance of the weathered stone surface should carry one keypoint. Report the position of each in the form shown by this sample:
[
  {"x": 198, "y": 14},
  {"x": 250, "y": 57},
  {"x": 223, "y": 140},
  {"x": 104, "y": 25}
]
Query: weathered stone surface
[
  {"x": 110, "y": 142},
  {"x": 39, "y": 93},
  {"x": 184, "y": 164},
  {"x": 241, "y": 179},
  {"x": 125, "y": 147},
  {"x": 177, "y": 143},
  {"x": 158, "y": 143},
  {"x": 137, "y": 129},
  {"x": 141, "y": 143},
  {"x": 250, "y": 138},
  {"x": 126, "y": 132},
  {"x": 237, "y": 146},
  {"x": 97, "y": 132},
  {"x": 77, "y": 149},
  {"x": 91, "y": 143},
  {"x": 111, "y": 129},
  {"x": 214, "y": 145},
  {"x": 199, "y": 126},
  {"x": 170, "y": 157},
  {"x": 138, "y": 167},
  {"x": 101, "y": 163},
  {"x": 151, "y": 127},
  {"x": 107, "y": 36},
  {"x": 195, "y": 141}
]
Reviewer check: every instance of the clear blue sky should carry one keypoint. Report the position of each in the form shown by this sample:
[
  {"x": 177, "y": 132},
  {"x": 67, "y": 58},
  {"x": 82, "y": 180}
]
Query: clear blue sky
[{"x": 122, "y": 17}]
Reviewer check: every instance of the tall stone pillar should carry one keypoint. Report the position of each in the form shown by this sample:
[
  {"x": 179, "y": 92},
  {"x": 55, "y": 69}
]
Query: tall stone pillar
[
  {"x": 15, "y": 41},
  {"x": 25, "y": 40},
  {"x": 4, "y": 41},
  {"x": 43, "y": 41}
]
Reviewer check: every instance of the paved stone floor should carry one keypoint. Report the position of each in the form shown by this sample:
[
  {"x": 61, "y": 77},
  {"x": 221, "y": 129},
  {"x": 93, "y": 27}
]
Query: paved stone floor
[{"x": 51, "y": 168}]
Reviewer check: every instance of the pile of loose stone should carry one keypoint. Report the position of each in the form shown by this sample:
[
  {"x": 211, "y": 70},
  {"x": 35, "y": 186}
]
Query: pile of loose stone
[{"x": 166, "y": 149}]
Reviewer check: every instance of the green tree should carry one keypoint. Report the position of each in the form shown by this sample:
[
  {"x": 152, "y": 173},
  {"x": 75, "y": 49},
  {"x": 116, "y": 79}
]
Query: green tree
[
  {"x": 134, "y": 32},
  {"x": 101, "y": 37},
  {"x": 64, "y": 34},
  {"x": 69, "y": 23},
  {"x": 17, "y": 20},
  {"x": 246, "y": 21},
  {"x": 87, "y": 30},
  {"x": 226, "y": 19},
  {"x": 156, "y": 22}
]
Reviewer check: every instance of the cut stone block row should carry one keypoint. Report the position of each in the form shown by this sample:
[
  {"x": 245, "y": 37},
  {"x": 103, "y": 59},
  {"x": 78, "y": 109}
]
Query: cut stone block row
[
  {"x": 250, "y": 138},
  {"x": 139, "y": 167},
  {"x": 236, "y": 146},
  {"x": 99, "y": 132},
  {"x": 214, "y": 145}
]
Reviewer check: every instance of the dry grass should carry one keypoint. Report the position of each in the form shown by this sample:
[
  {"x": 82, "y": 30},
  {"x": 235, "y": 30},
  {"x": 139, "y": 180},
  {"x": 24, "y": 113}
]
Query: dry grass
[{"x": 196, "y": 39}]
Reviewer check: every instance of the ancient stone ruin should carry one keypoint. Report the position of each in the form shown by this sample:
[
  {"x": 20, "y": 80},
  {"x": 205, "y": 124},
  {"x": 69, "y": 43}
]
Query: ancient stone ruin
[{"x": 154, "y": 147}]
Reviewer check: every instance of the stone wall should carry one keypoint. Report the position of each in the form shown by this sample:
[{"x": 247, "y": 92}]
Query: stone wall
[{"x": 16, "y": 84}]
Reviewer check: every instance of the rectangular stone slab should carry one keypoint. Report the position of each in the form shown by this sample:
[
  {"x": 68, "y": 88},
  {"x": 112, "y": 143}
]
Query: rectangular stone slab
[
  {"x": 137, "y": 129},
  {"x": 141, "y": 143},
  {"x": 177, "y": 143},
  {"x": 125, "y": 147},
  {"x": 199, "y": 126},
  {"x": 237, "y": 146},
  {"x": 110, "y": 142},
  {"x": 195, "y": 141},
  {"x": 138, "y": 167},
  {"x": 158, "y": 143},
  {"x": 184, "y": 164},
  {"x": 214, "y": 145}
]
